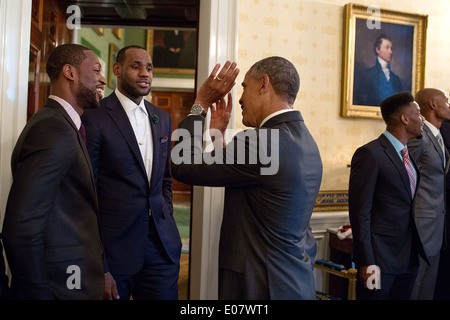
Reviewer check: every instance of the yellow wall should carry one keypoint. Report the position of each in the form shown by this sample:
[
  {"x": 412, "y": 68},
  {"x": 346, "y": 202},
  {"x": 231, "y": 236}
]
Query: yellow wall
[{"x": 309, "y": 33}]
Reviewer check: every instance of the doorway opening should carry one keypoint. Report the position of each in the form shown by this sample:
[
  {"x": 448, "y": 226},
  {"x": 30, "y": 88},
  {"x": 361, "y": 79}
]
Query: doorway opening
[{"x": 107, "y": 26}]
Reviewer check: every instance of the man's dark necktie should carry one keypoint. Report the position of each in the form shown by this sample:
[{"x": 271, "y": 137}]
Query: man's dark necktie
[{"x": 83, "y": 132}]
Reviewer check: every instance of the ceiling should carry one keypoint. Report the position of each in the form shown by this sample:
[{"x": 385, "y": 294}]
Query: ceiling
[{"x": 151, "y": 13}]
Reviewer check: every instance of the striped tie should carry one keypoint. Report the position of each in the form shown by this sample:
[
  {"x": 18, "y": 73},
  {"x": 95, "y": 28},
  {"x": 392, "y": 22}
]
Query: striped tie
[
  {"x": 441, "y": 144},
  {"x": 410, "y": 171}
]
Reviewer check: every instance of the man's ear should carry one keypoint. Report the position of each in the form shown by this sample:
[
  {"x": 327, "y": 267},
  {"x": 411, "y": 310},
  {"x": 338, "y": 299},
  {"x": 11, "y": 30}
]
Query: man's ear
[
  {"x": 117, "y": 69},
  {"x": 377, "y": 50},
  {"x": 265, "y": 82},
  {"x": 404, "y": 119},
  {"x": 69, "y": 72},
  {"x": 432, "y": 103}
]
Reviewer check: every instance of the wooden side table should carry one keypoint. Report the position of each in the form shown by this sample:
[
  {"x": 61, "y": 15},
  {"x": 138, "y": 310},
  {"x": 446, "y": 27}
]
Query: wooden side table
[{"x": 341, "y": 252}]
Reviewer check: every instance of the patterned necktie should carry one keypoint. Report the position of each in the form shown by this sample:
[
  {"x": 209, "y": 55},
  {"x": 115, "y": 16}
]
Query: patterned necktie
[
  {"x": 410, "y": 171},
  {"x": 441, "y": 144},
  {"x": 83, "y": 132}
]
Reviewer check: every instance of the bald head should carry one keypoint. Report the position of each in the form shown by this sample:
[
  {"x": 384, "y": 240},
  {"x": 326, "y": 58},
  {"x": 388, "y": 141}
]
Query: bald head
[
  {"x": 433, "y": 105},
  {"x": 424, "y": 96}
]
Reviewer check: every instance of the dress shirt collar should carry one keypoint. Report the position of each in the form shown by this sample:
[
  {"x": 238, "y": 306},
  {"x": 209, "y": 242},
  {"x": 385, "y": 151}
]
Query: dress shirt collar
[
  {"x": 385, "y": 68},
  {"x": 384, "y": 64},
  {"x": 128, "y": 104},
  {"x": 270, "y": 116},
  {"x": 435, "y": 131},
  {"x": 398, "y": 146},
  {"x": 69, "y": 109}
]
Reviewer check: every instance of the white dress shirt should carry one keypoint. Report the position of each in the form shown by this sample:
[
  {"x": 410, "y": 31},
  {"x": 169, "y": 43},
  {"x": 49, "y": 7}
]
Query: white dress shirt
[
  {"x": 140, "y": 122},
  {"x": 270, "y": 116},
  {"x": 69, "y": 109},
  {"x": 385, "y": 67}
]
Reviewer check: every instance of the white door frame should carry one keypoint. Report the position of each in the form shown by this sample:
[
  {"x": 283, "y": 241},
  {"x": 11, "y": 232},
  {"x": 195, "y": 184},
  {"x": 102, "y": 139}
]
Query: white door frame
[{"x": 218, "y": 38}]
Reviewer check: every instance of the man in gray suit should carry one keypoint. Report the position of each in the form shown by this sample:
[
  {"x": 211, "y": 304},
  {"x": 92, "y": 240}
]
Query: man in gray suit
[
  {"x": 433, "y": 159},
  {"x": 272, "y": 176}
]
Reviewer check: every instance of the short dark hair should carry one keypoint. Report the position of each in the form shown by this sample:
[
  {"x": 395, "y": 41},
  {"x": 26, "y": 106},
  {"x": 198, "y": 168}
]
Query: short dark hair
[
  {"x": 394, "y": 104},
  {"x": 379, "y": 41},
  {"x": 121, "y": 54},
  {"x": 282, "y": 74},
  {"x": 69, "y": 53}
]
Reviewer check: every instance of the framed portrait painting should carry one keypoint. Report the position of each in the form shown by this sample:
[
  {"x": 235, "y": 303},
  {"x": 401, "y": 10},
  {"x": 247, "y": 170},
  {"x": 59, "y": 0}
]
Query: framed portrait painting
[
  {"x": 173, "y": 51},
  {"x": 384, "y": 54},
  {"x": 113, "y": 51}
]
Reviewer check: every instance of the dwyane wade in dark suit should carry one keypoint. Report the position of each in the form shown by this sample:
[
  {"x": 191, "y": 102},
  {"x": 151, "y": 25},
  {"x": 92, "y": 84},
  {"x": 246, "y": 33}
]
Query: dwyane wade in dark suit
[
  {"x": 50, "y": 231},
  {"x": 140, "y": 238},
  {"x": 381, "y": 203},
  {"x": 266, "y": 249}
]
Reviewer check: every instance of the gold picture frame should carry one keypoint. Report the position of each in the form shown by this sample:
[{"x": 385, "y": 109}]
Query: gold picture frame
[
  {"x": 185, "y": 66},
  {"x": 99, "y": 31},
  {"x": 331, "y": 201},
  {"x": 117, "y": 33},
  {"x": 362, "y": 84},
  {"x": 113, "y": 50}
]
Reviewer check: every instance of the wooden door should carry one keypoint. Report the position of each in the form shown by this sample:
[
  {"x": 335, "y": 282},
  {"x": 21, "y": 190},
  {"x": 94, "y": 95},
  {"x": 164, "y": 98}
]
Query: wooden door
[
  {"x": 48, "y": 30},
  {"x": 178, "y": 105}
]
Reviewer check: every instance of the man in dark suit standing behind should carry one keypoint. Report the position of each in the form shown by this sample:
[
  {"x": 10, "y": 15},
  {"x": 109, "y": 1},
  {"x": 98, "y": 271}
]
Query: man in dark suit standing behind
[
  {"x": 383, "y": 181},
  {"x": 50, "y": 231},
  {"x": 129, "y": 145},
  {"x": 272, "y": 176},
  {"x": 433, "y": 159},
  {"x": 442, "y": 288}
]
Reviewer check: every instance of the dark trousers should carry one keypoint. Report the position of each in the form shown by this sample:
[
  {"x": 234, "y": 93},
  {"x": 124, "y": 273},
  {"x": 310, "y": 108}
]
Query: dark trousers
[
  {"x": 426, "y": 279},
  {"x": 442, "y": 289},
  {"x": 158, "y": 278},
  {"x": 393, "y": 286}
]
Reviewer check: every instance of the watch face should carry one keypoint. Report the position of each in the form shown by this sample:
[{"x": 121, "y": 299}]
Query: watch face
[{"x": 197, "y": 109}]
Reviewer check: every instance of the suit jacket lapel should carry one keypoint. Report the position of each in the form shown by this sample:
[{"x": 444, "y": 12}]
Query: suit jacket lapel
[
  {"x": 54, "y": 104},
  {"x": 120, "y": 118},
  {"x": 154, "y": 125},
  {"x": 447, "y": 159},
  {"x": 394, "y": 157},
  {"x": 436, "y": 145}
]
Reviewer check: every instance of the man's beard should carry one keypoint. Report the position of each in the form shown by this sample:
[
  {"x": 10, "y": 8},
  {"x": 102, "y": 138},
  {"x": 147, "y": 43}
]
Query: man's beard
[
  {"x": 87, "y": 98},
  {"x": 134, "y": 92}
]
